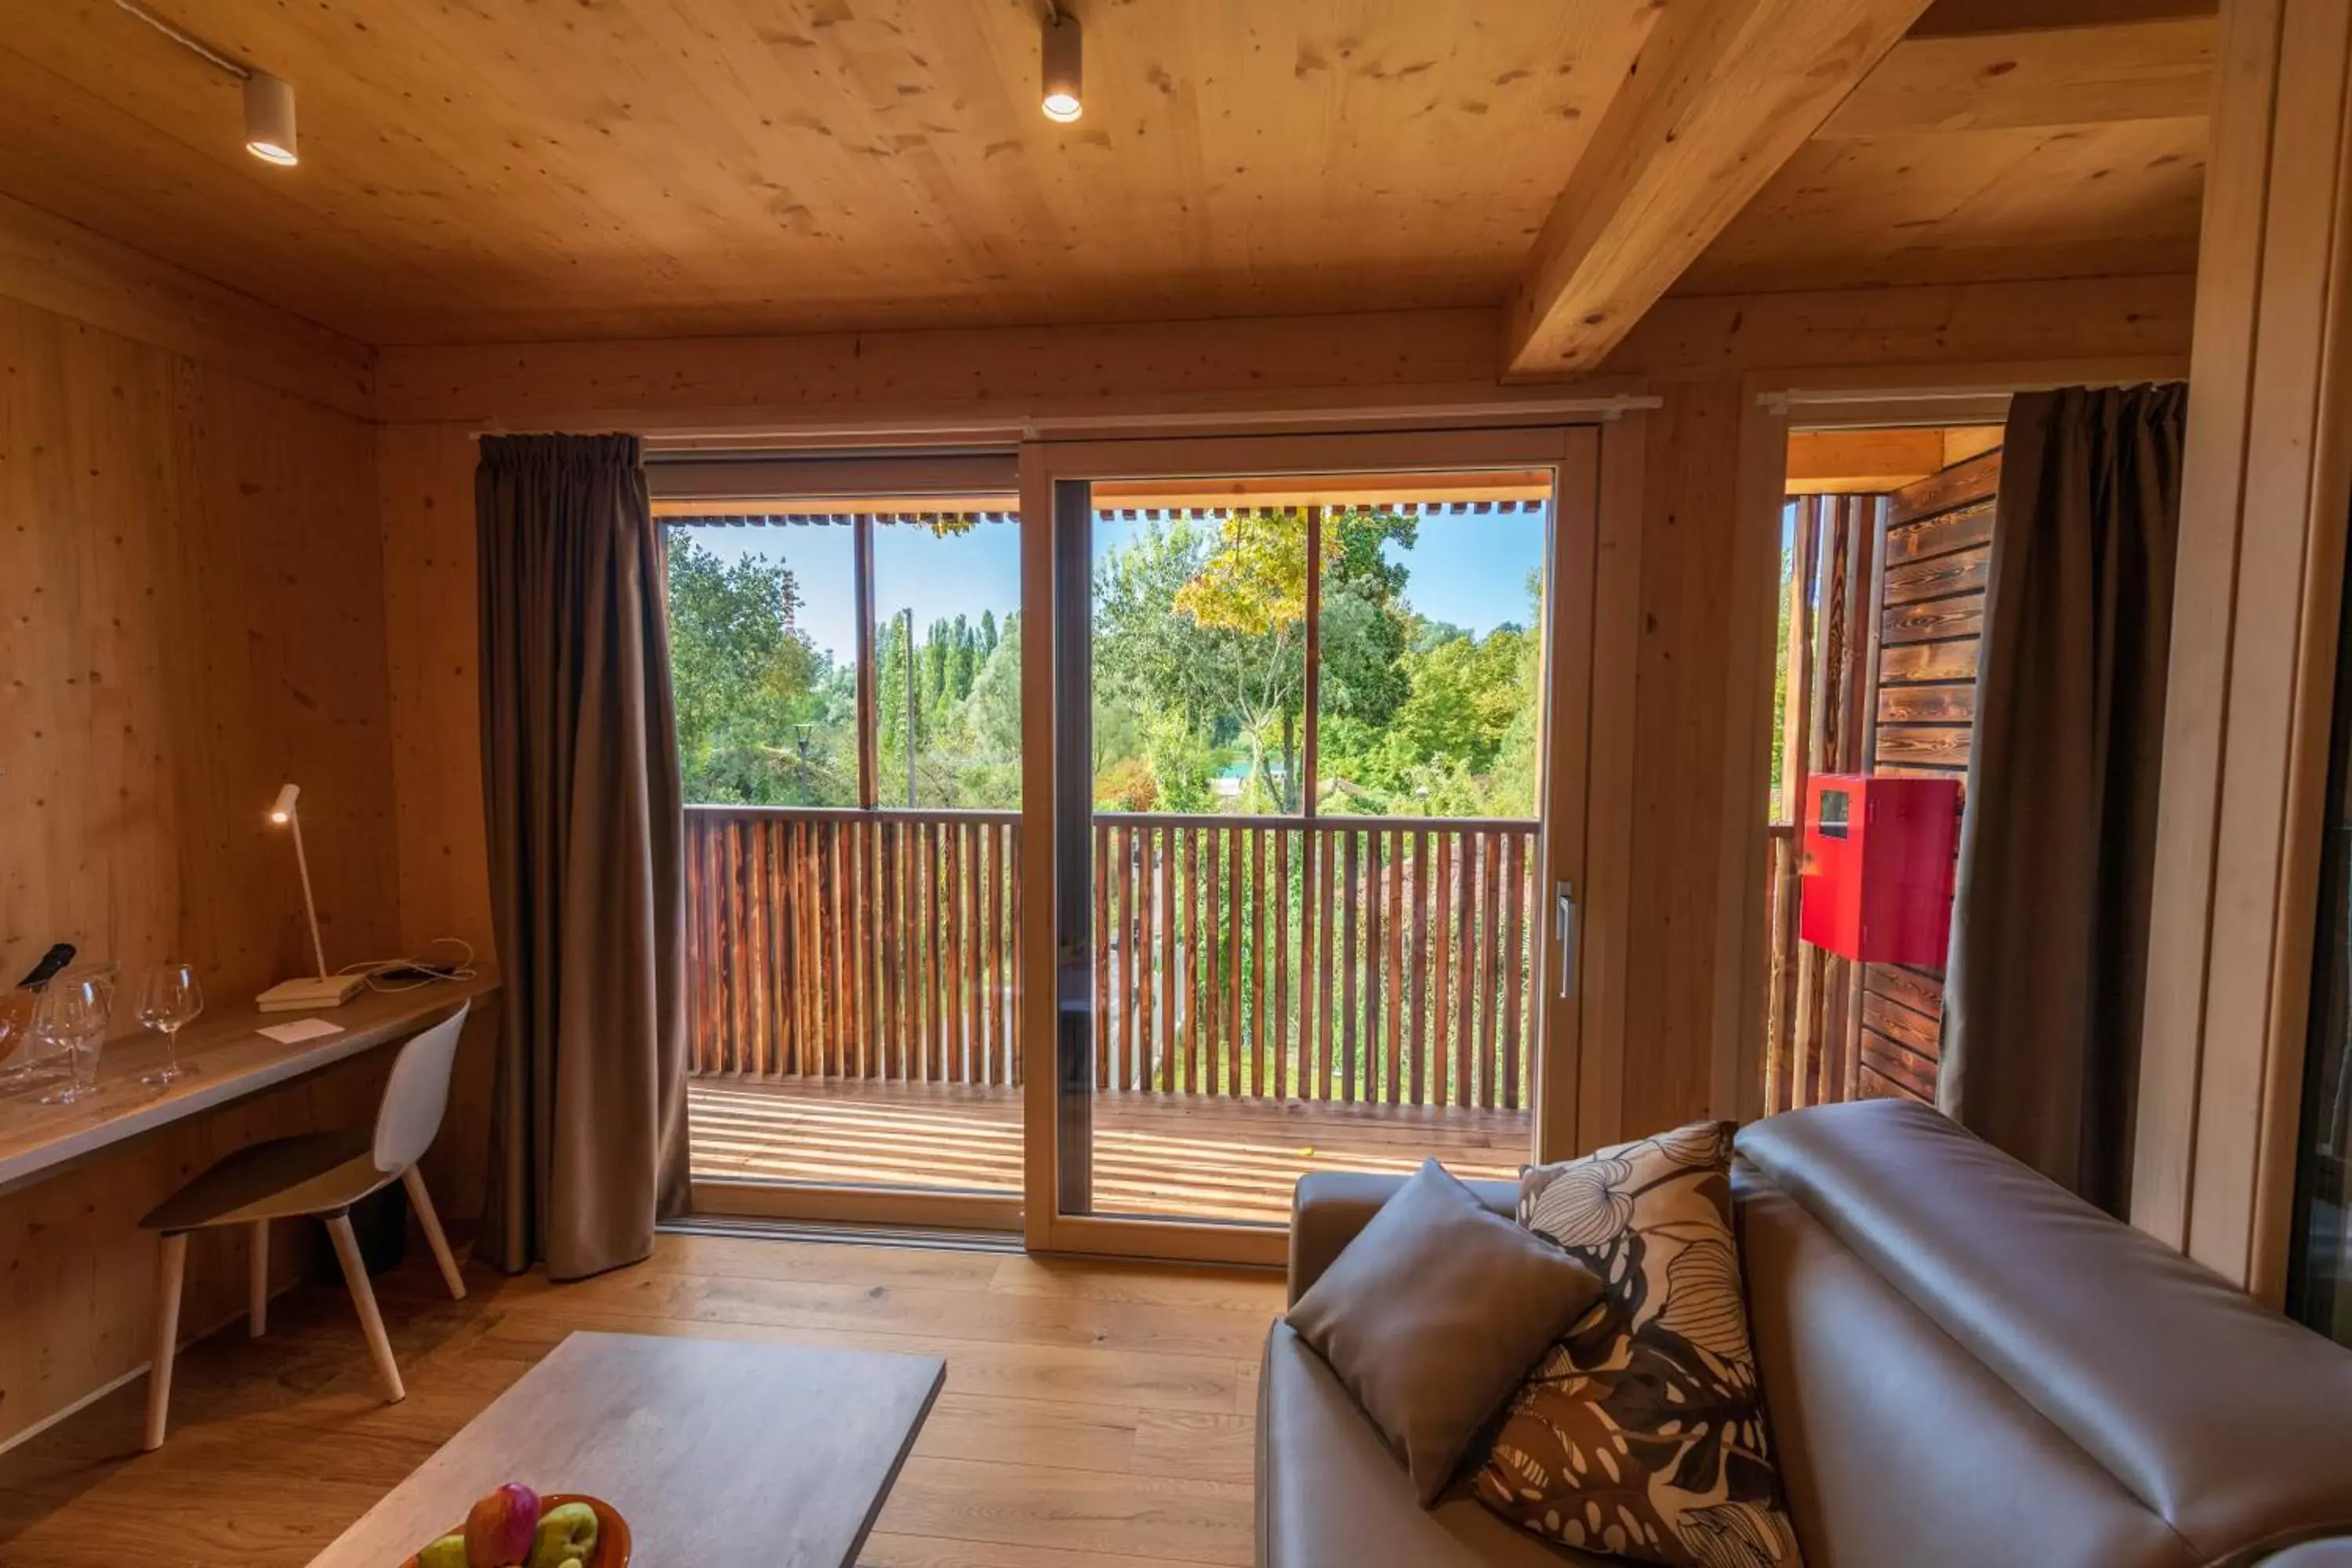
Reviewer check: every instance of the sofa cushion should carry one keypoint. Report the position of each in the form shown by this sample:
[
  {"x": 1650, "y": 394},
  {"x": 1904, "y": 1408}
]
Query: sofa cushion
[
  {"x": 1432, "y": 1315},
  {"x": 1330, "y": 1495},
  {"x": 1642, "y": 1433}
]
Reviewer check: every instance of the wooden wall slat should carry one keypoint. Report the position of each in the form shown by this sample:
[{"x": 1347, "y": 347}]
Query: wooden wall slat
[
  {"x": 1917, "y": 745},
  {"x": 1961, "y": 616},
  {"x": 1931, "y": 704},
  {"x": 1934, "y": 661},
  {"x": 1935, "y": 577}
]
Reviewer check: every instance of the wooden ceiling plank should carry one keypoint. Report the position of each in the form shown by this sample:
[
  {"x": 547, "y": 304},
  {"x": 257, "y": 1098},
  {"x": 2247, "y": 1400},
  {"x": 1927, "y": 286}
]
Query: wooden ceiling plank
[
  {"x": 1957, "y": 18},
  {"x": 1725, "y": 92},
  {"x": 2070, "y": 76},
  {"x": 1845, "y": 462}
]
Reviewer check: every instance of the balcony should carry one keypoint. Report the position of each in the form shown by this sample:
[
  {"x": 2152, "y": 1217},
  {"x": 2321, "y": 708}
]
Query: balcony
[{"x": 1271, "y": 995}]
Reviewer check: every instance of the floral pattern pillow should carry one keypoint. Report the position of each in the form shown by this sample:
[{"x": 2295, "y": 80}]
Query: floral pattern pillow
[{"x": 1641, "y": 1433}]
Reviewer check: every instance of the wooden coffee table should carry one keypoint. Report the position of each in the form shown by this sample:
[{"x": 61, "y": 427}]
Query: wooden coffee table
[{"x": 716, "y": 1451}]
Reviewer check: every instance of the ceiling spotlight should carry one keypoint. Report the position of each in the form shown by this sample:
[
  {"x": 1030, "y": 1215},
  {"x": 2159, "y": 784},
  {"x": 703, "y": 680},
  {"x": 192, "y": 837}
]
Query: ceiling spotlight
[
  {"x": 268, "y": 102},
  {"x": 1061, "y": 66},
  {"x": 269, "y": 118}
]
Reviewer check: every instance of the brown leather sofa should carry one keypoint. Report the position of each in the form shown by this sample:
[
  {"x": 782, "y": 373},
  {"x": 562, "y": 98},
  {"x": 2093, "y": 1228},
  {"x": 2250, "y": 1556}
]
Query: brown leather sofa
[{"x": 1965, "y": 1367}]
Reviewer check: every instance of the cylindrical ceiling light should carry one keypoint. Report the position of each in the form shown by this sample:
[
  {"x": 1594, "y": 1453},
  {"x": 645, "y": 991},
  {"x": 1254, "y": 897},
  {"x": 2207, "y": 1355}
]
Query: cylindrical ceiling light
[
  {"x": 268, "y": 102},
  {"x": 1062, "y": 66},
  {"x": 269, "y": 118}
]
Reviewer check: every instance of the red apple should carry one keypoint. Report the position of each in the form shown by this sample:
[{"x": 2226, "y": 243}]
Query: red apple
[{"x": 500, "y": 1528}]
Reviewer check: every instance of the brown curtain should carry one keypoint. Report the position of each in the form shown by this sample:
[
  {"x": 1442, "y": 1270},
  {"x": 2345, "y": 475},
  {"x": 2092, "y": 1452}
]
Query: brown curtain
[
  {"x": 2043, "y": 995},
  {"x": 580, "y": 789}
]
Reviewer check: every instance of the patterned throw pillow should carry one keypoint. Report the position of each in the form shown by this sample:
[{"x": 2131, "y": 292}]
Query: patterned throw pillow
[{"x": 1641, "y": 1433}]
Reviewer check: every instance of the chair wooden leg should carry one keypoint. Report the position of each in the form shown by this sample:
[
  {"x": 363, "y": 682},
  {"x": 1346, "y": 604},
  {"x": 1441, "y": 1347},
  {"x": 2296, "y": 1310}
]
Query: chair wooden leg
[
  {"x": 171, "y": 1268},
  {"x": 414, "y": 1180},
  {"x": 347, "y": 1253},
  {"x": 257, "y": 1315}
]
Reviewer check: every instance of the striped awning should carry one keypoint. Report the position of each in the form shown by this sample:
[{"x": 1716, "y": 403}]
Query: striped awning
[{"x": 958, "y": 521}]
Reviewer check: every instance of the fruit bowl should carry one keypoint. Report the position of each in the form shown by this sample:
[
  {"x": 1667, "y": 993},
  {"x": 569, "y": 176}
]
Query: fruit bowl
[{"x": 612, "y": 1529}]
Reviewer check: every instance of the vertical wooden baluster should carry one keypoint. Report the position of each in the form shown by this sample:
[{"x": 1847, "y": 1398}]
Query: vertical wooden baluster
[
  {"x": 1146, "y": 941},
  {"x": 1465, "y": 967},
  {"x": 1171, "y": 982},
  {"x": 1515, "y": 962},
  {"x": 1013, "y": 896},
  {"x": 1351, "y": 895},
  {"x": 1311, "y": 854},
  {"x": 835, "y": 951},
  {"x": 975, "y": 1042},
  {"x": 1490, "y": 986},
  {"x": 938, "y": 887},
  {"x": 918, "y": 1040},
  {"x": 1100, "y": 916},
  {"x": 1280, "y": 1040},
  {"x": 1236, "y": 959},
  {"x": 749, "y": 891},
  {"x": 1122, "y": 843},
  {"x": 890, "y": 948},
  {"x": 952, "y": 953},
  {"x": 1212, "y": 990},
  {"x": 1326, "y": 1067},
  {"x": 1375, "y": 876},
  {"x": 1258, "y": 1046},
  {"x": 1394, "y": 919},
  {"x": 991, "y": 995},
  {"x": 1441, "y": 968},
  {"x": 1192, "y": 964},
  {"x": 808, "y": 904},
  {"x": 1418, "y": 1004}
]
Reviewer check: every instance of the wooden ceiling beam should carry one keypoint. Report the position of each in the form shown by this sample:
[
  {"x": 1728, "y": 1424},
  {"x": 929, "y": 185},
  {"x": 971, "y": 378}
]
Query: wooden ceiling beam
[
  {"x": 1723, "y": 92},
  {"x": 2161, "y": 70}
]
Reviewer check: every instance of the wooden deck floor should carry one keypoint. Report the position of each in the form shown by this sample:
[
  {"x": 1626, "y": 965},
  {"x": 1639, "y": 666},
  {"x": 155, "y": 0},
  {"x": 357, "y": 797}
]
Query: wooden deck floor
[
  {"x": 1186, "y": 1155},
  {"x": 1095, "y": 1414}
]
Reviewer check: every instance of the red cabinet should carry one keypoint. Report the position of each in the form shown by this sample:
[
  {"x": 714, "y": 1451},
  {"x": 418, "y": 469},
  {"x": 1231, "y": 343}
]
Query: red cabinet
[{"x": 1878, "y": 867}]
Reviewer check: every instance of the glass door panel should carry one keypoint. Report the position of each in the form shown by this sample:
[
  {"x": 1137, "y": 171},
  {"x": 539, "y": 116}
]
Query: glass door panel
[
  {"x": 1300, "y": 920},
  {"x": 848, "y": 698}
]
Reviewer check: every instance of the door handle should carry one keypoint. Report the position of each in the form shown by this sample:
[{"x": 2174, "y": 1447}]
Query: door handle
[{"x": 1564, "y": 928}]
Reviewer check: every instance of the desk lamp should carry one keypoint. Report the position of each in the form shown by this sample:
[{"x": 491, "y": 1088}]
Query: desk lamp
[{"x": 327, "y": 990}]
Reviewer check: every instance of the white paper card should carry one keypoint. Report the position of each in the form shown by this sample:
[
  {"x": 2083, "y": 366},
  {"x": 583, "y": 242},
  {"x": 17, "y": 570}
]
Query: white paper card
[{"x": 299, "y": 1030}]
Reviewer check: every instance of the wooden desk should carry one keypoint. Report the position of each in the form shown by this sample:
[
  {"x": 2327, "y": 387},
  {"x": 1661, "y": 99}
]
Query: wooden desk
[
  {"x": 233, "y": 1063},
  {"x": 716, "y": 1451}
]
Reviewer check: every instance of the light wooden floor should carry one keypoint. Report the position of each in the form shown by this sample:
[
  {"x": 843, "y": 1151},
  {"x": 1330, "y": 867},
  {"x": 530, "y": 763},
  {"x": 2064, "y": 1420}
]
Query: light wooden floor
[
  {"x": 1094, "y": 1414},
  {"x": 1153, "y": 1154}
]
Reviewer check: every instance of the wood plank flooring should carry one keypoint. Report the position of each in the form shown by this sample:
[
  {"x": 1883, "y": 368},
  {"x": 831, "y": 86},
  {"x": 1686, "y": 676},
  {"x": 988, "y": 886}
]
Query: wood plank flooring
[
  {"x": 1095, "y": 1416},
  {"x": 1191, "y": 1155}
]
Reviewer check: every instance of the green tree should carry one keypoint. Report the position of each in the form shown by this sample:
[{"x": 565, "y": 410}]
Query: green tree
[{"x": 758, "y": 719}]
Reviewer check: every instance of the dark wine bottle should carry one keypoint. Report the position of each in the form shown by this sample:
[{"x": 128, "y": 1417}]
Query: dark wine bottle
[{"x": 56, "y": 959}]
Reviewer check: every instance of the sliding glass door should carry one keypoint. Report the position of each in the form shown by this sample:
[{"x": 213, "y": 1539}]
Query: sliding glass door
[
  {"x": 1313, "y": 703},
  {"x": 846, "y": 655}
]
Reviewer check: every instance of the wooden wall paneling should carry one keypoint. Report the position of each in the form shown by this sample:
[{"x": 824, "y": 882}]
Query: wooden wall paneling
[
  {"x": 199, "y": 618},
  {"x": 2262, "y": 515},
  {"x": 1421, "y": 365},
  {"x": 1977, "y": 334},
  {"x": 60, "y": 267}
]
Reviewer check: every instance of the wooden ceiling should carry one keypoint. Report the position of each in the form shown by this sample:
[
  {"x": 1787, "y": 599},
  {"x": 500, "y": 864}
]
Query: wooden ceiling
[
  {"x": 2062, "y": 153},
  {"x": 479, "y": 171}
]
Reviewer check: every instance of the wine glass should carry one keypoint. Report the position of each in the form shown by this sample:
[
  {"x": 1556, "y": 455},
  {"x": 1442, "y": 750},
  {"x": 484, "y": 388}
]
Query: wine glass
[
  {"x": 169, "y": 1002},
  {"x": 23, "y": 1060},
  {"x": 72, "y": 1014}
]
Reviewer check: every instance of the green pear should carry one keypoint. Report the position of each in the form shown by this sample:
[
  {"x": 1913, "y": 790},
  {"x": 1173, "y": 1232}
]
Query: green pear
[
  {"x": 449, "y": 1551},
  {"x": 566, "y": 1538}
]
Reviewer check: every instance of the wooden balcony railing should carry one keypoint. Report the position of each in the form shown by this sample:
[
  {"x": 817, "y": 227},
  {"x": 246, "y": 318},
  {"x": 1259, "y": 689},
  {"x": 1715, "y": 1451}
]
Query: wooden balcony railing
[
  {"x": 1369, "y": 960},
  {"x": 853, "y": 944}
]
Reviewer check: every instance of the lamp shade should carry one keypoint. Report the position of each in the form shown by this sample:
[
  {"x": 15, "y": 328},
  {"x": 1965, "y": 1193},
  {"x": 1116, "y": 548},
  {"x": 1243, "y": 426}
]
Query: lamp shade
[
  {"x": 1062, "y": 69},
  {"x": 270, "y": 119}
]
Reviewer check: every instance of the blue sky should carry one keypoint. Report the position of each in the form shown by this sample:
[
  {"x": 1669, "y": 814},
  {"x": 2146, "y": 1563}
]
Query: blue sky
[{"x": 1469, "y": 570}]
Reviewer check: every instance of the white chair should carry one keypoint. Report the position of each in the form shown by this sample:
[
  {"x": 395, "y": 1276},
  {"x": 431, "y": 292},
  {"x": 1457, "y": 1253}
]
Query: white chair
[{"x": 318, "y": 1174}]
